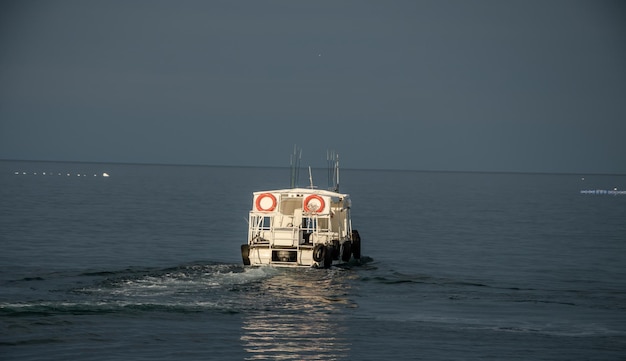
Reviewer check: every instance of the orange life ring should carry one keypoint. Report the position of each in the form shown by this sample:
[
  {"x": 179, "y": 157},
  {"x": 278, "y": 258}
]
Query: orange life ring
[
  {"x": 316, "y": 209},
  {"x": 260, "y": 207}
]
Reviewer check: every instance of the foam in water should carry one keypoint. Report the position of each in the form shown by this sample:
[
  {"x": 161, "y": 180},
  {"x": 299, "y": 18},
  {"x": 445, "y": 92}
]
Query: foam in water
[{"x": 194, "y": 288}]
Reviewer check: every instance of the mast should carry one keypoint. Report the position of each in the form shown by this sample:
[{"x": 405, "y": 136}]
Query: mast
[
  {"x": 337, "y": 173},
  {"x": 332, "y": 159},
  {"x": 311, "y": 178},
  {"x": 329, "y": 169},
  {"x": 294, "y": 162}
]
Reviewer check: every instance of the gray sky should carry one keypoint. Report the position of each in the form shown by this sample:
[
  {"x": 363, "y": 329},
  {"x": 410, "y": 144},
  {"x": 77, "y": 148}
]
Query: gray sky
[{"x": 536, "y": 86}]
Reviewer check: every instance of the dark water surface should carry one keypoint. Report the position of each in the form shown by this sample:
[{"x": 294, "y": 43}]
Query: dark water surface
[{"x": 145, "y": 264}]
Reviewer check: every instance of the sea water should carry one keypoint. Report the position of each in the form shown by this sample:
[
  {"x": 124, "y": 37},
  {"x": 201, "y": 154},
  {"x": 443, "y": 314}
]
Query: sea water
[{"x": 146, "y": 264}]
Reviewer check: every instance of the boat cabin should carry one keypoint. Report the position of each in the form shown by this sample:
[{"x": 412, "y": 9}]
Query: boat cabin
[{"x": 298, "y": 227}]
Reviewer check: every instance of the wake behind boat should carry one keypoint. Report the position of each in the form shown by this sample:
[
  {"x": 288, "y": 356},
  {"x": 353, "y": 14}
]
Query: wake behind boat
[{"x": 301, "y": 226}]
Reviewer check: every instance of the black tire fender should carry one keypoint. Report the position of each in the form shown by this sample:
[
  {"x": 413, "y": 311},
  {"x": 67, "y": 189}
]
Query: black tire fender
[
  {"x": 346, "y": 251},
  {"x": 336, "y": 248},
  {"x": 245, "y": 254},
  {"x": 356, "y": 244},
  {"x": 319, "y": 252},
  {"x": 328, "y": 257}
]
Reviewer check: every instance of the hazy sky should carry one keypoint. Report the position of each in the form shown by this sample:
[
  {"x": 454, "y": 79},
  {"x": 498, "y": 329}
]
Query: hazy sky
[{"x": 494, "y": 85}]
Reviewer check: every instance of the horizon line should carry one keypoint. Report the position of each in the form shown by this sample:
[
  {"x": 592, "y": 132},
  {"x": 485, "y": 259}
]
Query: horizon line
[{"x": 287, "y": 166}]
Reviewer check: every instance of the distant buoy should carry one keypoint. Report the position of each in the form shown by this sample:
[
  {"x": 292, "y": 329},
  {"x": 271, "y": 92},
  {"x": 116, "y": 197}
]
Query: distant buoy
[{"x": 105, "y": 174}]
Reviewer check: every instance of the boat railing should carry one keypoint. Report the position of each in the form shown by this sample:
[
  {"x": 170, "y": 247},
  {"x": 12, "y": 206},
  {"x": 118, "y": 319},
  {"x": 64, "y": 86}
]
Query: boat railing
[{"x": 283, "y": 230}]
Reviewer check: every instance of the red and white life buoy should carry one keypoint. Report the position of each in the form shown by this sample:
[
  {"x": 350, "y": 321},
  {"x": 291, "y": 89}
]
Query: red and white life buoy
[
  {"x": 265, "y": 202},
  {"x": 314, "y": 203}
]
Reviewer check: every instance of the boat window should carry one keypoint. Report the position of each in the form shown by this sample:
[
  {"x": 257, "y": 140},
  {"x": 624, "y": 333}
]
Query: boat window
[
  {"x": 289, "y": 205},
  {"x": 262, "y": 222},
  {"x": 323, "y": 224},
  {"x": 266, "y": 223},
  {"x": 309, "y": 224}
]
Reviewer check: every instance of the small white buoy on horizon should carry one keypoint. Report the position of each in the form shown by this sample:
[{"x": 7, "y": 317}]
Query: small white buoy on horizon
[
  {"x": 105, "y": 174},
  {"x": 583, "y": 178}
]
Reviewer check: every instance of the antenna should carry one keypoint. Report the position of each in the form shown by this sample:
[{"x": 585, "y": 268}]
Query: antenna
[
  {"x": 294, "y": 162},
  {"x": 333, "y": 170},
  {"x": 328, "y": 166},
  {"x": 330, "y": 156},
  {"x": 311, "y": 178},
  {"x": 337, "y": 173}
]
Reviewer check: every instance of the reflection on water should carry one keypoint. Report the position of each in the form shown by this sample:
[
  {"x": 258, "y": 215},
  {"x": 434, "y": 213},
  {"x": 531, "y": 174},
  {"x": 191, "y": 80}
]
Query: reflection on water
[{"x": 301, "y": 319}]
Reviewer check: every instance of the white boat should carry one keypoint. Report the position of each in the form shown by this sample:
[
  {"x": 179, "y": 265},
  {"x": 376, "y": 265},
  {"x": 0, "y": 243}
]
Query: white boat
[{"x": 301, "y": 227}]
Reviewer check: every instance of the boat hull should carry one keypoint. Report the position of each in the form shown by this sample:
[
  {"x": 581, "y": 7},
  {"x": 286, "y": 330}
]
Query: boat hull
[
  {"x": 318, "y": 256},
  {"x": 281, "y": 257}
]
